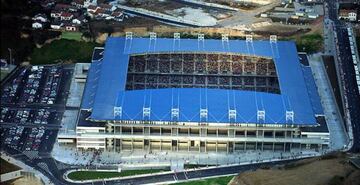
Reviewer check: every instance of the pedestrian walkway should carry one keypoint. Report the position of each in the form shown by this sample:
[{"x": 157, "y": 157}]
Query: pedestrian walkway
[
  {"x": 76, "y": 88},
  {"x": 44, "y": 167},
  {"x": 31, "y": 154},
  {"x": 68, "y": 122},
  {"x": 69, "y": 154},
  {"x": 338, "y": 136}
]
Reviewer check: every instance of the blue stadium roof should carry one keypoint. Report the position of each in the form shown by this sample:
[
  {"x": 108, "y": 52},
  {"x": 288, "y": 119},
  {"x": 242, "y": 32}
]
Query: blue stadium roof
[
  {"x": 312, "y": 91},
  {"x": 91, "y": 85},
  {"x": 105, "y": 88}
]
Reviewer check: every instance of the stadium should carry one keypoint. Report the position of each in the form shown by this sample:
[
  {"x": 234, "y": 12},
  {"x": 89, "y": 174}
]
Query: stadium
[{"x": 201, "y": 95}]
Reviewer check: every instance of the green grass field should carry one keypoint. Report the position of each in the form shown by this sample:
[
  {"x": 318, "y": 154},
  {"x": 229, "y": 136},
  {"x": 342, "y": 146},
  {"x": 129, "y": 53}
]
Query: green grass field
[
  {"x": 212, "y": 181},
  {"x": 63, "y": 49},
  {"x": 310, "y": 43},
  {"x": 88, "y": 175},
  {"x": 71, "y": 35}
]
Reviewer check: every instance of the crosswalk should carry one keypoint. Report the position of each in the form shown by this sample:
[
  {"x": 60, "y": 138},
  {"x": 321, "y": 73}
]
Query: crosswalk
[
  {"x": 44, "y": 166},
  {"x": 31, "y": 154},
  {"x": 60, "y": 166}
]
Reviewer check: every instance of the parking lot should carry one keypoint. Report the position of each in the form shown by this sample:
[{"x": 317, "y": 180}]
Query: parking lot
[
  {"x": 28, "y": 116},
  {"x": 34, "y": 85},
  {"x": 32, "y": 106}
]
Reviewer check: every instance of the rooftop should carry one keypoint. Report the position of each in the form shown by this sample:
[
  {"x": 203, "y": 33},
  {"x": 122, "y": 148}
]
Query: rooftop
[{"x": 106, "y": 86}]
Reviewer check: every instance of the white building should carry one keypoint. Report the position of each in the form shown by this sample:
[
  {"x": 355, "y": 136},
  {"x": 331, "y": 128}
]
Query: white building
[
  {"x": 352, "y": 16},
  {"x": 79, "y": 20},
  {"x": 348, "y": 14},
  {"x": 37, "y": 25},
  {"x": 87, "y": 3},
  {"x": 40, "y": 18},
  {"x": 56, "y": 25}
]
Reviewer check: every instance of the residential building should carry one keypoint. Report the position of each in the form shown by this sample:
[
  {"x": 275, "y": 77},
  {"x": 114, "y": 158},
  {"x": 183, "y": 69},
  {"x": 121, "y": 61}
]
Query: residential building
[
  {"x": 107, "y": 7},
  {"x": 37, "y": 25},
  {"x": 71, "y": 27},
  {"x": 118, "y": 15},
  {"x": 79, "y": 20},
  {"x": 88, "y": 3},
  {"x": 57, "y": 25},
  {"x": 78, "y": 3},
  {"x": 348, "y": 14},
  {"x": 66, "y": 16},
  {"x": 55, "y": 13},
  {"x": 40, "y": 18},
  {"x": 92, "y": 9}
]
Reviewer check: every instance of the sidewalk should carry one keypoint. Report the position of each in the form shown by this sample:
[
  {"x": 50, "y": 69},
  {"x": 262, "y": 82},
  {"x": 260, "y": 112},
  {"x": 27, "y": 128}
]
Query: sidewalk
[
  {"x": 338, "y": 136},
  {"x": 69, "y": 155},
  {"x": 185, "y": 171}
]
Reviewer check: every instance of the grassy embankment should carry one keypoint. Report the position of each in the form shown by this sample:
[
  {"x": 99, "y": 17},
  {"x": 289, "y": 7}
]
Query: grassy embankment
[
  {"x": 77, "y": 51},
  {"x": 63, "y": 49},
  {"x": 88, "y": 175},
  {"x": 310, "y": 43},
  {"x": 212, "y": 181},
  {"x": 71, "y": 35}
]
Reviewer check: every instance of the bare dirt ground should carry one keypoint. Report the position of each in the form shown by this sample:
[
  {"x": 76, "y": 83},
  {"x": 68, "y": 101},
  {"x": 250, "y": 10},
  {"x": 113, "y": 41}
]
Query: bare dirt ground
[
  {"x": 281, "y": 30},
  {"x": 317, "y": 27},
  {"x": 247, "y": 17},
  {"x": 234, "y": 25},
  {"x": 245, "y": 4},
  {"x": 335, "y": 171},
  {"x": 101, "y": 29},
  {"x": 168, "y": 31},
  {"x": 144, "y": 28},
  {"x": 157, "y": 6}
]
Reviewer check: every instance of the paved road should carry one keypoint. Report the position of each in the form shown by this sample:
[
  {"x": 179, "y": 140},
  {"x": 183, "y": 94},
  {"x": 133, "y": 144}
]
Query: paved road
[
  {"x": 347, "y": 73},
  {"x": 55, "y": 170},
  {"x": 58, "y": 107}
]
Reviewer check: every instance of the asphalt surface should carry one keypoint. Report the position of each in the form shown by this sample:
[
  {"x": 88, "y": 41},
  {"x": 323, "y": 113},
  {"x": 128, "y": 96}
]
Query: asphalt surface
[{"x": 347, "y": 73}]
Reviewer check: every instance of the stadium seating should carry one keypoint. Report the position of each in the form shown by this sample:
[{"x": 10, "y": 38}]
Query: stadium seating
[{"x": 202, "y": 70}]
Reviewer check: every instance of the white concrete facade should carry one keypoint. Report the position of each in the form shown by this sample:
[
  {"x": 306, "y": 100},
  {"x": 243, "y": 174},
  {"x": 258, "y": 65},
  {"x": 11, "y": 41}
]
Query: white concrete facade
[{"x": 201, "y": 138}]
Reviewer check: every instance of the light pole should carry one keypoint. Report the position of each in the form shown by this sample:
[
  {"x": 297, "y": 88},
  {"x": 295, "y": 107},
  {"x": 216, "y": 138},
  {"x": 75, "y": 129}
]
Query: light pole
[{"x": 10, "y": 55}]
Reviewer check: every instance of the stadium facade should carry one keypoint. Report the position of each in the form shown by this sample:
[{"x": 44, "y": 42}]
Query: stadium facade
[{"x": 199, "y": 95}]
